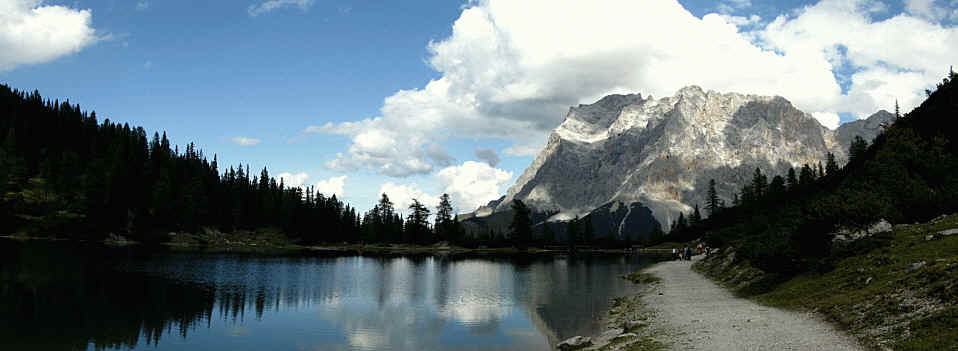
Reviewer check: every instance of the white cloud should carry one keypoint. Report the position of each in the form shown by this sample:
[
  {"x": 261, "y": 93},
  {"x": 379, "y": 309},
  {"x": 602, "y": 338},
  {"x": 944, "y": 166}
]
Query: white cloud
[
  {"x": 473, "y": 184},
  {"x": 142, "y": 5},
  {"x": 402, "y": 194},
  {"x": 291, "y": 180},
  {"x": 256, "y": 10},
  {"x": 469, "y": 185},
  {"x": 828, "y": 119},
  {"x": 332, "y": 186},
  {"x": 33, "y": 33},
  {"x": 244, "y": 141},
  {"x": 884, "y": 55},
  {"x": 511, "y": 69}
]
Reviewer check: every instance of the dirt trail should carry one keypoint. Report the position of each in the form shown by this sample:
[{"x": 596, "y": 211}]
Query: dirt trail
[{"x": 697, "y": 314}]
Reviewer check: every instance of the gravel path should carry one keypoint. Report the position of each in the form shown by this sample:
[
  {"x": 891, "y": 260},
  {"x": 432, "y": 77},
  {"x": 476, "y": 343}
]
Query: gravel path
[{"x": 701, "y": 315}]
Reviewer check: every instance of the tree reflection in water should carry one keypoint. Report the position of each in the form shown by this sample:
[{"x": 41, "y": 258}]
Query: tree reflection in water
[{"x": 58, "y": 296}]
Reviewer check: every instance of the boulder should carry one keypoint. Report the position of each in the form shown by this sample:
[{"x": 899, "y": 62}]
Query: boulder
[
  {"x": 629, "y": 325},
  {"x": 575, "y": 343},
  {"x": 948, "y": 232},
  {"x": 880, "y": 227},
  {"x": 917, "y": 265}
]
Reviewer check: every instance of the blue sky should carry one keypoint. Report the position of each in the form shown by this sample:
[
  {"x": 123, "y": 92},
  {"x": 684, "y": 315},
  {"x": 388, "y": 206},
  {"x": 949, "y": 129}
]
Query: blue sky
[{"x": 398, "y": 96}]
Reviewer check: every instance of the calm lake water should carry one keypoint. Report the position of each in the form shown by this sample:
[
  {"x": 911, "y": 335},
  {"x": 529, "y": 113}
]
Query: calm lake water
[{"x": 69, "y": 296}]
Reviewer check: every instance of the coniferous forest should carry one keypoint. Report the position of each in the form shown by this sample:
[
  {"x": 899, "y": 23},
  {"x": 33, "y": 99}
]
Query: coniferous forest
[
  {"x": 66, "y": 174},
  {"x": 787, "y": 224}
]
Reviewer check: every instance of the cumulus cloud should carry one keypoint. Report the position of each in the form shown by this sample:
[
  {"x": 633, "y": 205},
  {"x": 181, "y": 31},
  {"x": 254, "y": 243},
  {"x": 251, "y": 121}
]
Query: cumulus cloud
[
  {"x": 488, "y": 155},
  {"x": 33, "y": 33},
  {"x": 256, "y": 10},
  {"x": 828, "y": 119},
  {"x": 291, "y": 180},
  {"x": 142, "y": 5},
  {"x": 469, "y": 185},
  {"x": 402, "y": 195},
  {"x": 510, "y": 69},
  {"x": 880, "y": 55},
  {"x": 244, "y": 141},
  {"x": 332, "y": 186},
  {"x": 473, "y": 184}
]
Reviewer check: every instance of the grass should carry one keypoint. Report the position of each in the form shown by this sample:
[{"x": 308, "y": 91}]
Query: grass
[
  {"x": 641, "y": 278},
  {"x": 897, "y": 290}
]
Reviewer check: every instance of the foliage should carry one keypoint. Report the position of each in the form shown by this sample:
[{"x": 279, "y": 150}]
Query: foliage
[
  {"x": 521, "y": 227},
  {"x": 905, "y": 176}
]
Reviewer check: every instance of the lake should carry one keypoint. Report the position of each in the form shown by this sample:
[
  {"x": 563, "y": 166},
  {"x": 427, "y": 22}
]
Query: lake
[{"x": 73, "y": 296}]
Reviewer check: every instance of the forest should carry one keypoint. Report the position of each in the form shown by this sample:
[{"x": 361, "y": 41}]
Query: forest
[
  {"x": 65, "y": 174},
  {"x": 787, "y": 225}
]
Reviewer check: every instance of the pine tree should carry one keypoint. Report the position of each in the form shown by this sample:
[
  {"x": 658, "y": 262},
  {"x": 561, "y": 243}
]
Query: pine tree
[
  {"x": 572, "y": 232},
  {"x": 712, "y": 204},
  {"x": 857, "y": 150},
  {"x": 831, "y": 166},
  {"x": 588, "y": 231},
  {"x": 696, "y": 216},
  {"x": 521, "y": 226},
  {"x": 548, "y": 236},
  {"x": 759, "y": 184},
  {"x": 417, "y": 225},
  {"x": 791, "y": 180},
  {"x": 443, "y": 218}
]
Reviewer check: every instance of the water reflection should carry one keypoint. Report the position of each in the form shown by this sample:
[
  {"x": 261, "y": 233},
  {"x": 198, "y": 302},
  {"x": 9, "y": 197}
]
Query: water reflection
[{"x": 57, "y": 297}]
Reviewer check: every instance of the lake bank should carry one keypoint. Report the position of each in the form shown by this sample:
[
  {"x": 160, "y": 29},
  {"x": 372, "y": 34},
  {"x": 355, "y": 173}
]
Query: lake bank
[
  {"x": 272, "y": 241},
  {"x": 896, "y": 289}
]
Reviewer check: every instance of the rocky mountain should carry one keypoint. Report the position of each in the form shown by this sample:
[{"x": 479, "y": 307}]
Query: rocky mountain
[{"x": 661, "y": 153}]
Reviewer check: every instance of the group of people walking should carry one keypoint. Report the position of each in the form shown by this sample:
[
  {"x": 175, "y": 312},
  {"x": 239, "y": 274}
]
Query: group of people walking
[{"x": 686, "y": 252}]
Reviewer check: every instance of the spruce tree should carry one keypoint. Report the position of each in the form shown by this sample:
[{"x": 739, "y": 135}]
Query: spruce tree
[
  {"x": 712, "y": 204},
  {"x": 443, "y": 220}
]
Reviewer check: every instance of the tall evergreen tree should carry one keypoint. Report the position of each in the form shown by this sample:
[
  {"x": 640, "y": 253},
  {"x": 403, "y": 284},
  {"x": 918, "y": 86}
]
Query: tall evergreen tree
[
  {"x": 857, "y": 149},
  {"x": 418, "y": 225},
  {"x": 696, "y": 216},
  {"x": 443, "y": 225},
  {"x": 831, "y": 166},
  {"x": 791, "y": 180},
  {"x": 712, "y": 204},
  {"x": 521, "y": 226},
  {"x": 572, "y": 232}
]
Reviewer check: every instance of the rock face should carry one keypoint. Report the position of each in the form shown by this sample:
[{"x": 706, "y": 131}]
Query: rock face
[{"x": 661, "y": 153}]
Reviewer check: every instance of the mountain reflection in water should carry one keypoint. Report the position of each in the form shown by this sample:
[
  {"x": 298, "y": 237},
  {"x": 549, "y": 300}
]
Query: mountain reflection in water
[{"x": 61, "y": 296}]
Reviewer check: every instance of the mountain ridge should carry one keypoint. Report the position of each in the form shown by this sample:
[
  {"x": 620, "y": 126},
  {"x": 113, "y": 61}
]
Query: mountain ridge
[{"x": 662, "y": 152}]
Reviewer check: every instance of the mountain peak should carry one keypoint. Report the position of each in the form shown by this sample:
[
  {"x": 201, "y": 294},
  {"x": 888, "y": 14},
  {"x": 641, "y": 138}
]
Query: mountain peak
[{"x": 661, "y": 153}]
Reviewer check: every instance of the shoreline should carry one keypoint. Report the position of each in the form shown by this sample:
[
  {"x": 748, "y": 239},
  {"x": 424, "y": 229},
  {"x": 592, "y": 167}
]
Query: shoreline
[{"x": 345, "y": 249}]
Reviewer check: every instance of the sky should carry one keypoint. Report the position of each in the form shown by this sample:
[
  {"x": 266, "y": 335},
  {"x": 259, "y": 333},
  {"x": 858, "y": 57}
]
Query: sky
[{"x": 419, "y": 98}]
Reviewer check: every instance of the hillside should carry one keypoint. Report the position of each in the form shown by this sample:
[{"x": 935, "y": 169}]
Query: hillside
[{"x": 893, "y": 290}]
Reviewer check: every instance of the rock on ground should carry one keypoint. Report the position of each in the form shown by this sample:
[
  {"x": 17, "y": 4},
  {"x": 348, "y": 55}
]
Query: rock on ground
[{"x": 575, "y": 343}]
